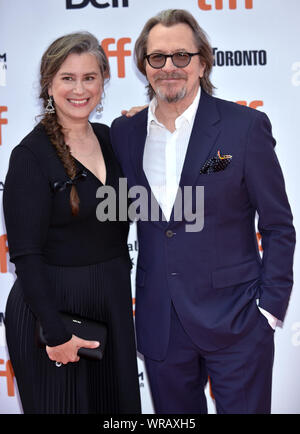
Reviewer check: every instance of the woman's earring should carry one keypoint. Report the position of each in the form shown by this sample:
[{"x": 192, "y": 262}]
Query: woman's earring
[
  {"x": 99, "y": 108},
  {"x": 50, "y": 109}
]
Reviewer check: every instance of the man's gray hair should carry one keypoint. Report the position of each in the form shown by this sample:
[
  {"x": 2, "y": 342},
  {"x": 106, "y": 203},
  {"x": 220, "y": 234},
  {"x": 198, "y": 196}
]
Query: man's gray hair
[{"x": 169, "y": 18}]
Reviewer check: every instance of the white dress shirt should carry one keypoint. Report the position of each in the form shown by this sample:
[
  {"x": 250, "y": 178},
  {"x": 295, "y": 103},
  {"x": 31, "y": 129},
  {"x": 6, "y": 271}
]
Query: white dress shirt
[
  {"x": 165, "y": 152},
  {"x": 164, "y": 156}
]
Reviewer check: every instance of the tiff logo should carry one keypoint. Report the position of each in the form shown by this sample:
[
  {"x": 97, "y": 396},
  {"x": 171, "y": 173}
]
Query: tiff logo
[
  {"x": 253, "y": 104},
  {"x": 3, "y": 253},
  {"x": 207, "y": 5},
  {"x": 8, "y": 373},
  {"x": 3, "y": 68},
  {"x": 73, "y": 4},
  {"x": 2, "y": 121},
  {"x": 120, "y": 52}
]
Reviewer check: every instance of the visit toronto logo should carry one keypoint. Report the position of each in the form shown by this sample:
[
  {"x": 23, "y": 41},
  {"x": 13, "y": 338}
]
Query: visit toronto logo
[{"x": 239, "y": 57}]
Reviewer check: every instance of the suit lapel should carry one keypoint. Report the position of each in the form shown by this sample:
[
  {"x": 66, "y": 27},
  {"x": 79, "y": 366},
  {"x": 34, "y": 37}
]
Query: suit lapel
[
  {"x": 137, "y": 140},
  {"x": 203, "y": 139},
  {"x": 202, "y": 142},
  {"x": 201, "y": 146}
]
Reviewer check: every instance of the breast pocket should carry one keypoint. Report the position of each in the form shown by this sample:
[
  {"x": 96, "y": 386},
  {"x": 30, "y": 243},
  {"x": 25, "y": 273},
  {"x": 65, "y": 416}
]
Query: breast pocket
[{"x": 218, "y": 175}]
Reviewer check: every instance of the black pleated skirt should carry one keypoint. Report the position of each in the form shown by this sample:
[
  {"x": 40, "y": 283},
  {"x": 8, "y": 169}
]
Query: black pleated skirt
[{"x": 110, "y": 386}]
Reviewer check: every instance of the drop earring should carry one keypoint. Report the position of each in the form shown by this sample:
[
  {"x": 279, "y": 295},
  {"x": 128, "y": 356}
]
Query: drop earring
[
  {"x": 99, "y": 108},
  {"x": 50, "y": 109}
]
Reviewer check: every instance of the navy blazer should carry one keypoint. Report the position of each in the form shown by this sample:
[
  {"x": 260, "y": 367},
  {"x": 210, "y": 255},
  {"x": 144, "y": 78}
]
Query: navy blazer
[{"x": 214, "y": 276}]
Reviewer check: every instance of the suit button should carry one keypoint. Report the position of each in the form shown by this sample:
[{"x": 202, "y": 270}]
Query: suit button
[{"x": 170, "y": 233}]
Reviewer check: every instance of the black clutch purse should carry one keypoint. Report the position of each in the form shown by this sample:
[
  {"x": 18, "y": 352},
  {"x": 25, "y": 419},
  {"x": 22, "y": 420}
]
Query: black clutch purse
[{"x": 83, "y": 328}]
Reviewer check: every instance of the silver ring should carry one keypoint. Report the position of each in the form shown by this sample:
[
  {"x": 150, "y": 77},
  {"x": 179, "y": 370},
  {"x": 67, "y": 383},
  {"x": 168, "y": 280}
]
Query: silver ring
[{"x": 58, "y": 364}]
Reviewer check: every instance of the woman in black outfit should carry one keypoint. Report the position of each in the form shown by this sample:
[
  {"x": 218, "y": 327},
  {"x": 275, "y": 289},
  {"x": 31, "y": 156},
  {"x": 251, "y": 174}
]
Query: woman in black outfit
[{"x": 67, "y": 260}]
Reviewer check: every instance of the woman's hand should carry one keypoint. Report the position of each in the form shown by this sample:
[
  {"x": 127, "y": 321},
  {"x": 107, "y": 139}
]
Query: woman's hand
[
  {"x": 67, "y": 352},
  {"x": 133, "y": 111}
]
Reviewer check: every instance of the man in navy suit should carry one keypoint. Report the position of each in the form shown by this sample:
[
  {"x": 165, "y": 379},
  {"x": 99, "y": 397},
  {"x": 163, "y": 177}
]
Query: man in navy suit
[{"x": 206, "y": 302}]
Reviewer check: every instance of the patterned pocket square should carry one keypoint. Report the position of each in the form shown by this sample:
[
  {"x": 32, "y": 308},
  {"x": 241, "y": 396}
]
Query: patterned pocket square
[{"x": 216, "y": 164}]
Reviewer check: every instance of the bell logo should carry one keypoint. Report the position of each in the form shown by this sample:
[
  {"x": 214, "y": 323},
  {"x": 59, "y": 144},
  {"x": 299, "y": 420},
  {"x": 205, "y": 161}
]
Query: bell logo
[
  {"x": 207, "y": 5},
  {"x": 2, "y": 121},
  {"x": 3, "y": 254},
  {"x": 119, "y": 53},
  {"x": 73, "y": 4}
]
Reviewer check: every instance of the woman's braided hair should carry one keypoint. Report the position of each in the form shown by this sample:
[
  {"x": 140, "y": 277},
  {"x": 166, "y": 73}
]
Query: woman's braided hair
[{"x": 53, "y": 58}]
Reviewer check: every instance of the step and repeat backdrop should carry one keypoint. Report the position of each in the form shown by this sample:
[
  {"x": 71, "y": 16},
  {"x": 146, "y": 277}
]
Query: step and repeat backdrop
[{"x": 257, "y": 63}]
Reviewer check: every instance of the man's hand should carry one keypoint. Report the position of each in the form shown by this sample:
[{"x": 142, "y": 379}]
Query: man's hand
[{"x": 133, "y": 111}]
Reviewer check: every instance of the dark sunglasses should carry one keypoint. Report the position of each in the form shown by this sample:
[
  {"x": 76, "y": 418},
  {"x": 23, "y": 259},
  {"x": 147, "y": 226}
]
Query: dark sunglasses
[{"x": 180, "y": 59}]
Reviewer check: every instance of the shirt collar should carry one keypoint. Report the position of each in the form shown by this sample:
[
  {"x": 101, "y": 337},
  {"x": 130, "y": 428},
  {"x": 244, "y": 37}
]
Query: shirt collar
[{"x": 189, "y": 114}]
